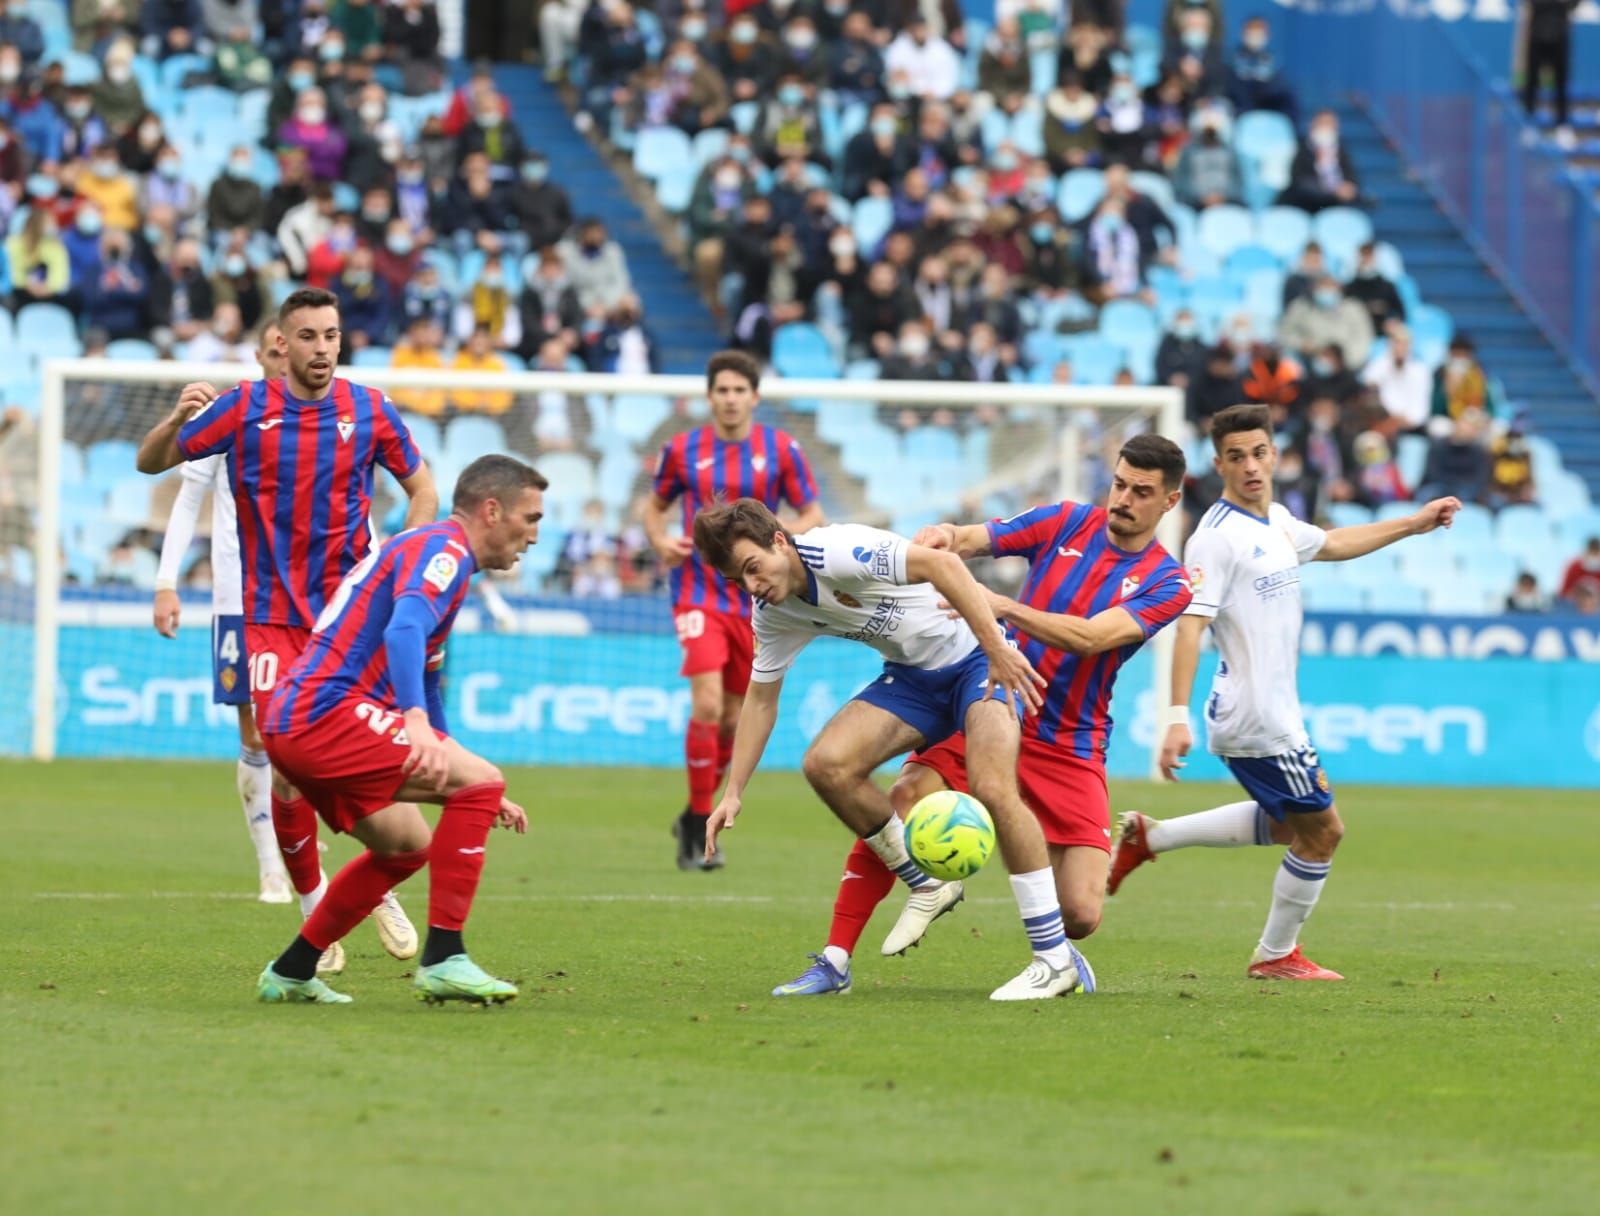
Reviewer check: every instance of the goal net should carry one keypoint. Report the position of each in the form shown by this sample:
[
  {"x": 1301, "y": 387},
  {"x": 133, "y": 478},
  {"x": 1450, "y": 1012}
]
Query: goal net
[{"x": 571, "y": 657}]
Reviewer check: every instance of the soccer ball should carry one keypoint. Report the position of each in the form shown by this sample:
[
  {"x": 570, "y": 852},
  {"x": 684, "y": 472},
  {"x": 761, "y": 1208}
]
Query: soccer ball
[{"x": 949, "y": 835}]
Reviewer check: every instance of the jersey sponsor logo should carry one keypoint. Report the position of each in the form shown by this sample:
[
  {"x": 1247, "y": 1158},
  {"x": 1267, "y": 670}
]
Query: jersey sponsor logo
[
  {"x": 1067, "y": 551},
  {"x": 347, "y": 427},
  {"x": 849, "y": 601},
  {"x": 877, "y": 560},
  {"x": 1277, "y": 584},
  {"x": 441, "y": 571},
  {"x": 1197, "y": 579},
  {"x": 886, "y": 618},
  {"x": 269, "y": 423},
  {"x": 862, "y": 554}
]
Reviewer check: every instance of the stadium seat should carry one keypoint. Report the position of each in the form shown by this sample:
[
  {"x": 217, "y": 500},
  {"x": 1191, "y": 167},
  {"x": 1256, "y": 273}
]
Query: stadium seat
[
  {"x": 1564, "y": 495},
  {"x": 1266, "y": 142},
  {"x": 176, "y": 70},
  {"x": 1154, "y": 186},
  {"x": 1225, "y": 228},
  {"x": 251, "y": 110},
  {"x": 1411, "y": 457},
  {"x": 372, "y": 356},
  {"x": 77, "y": 68},
  {"x": 8, "y": 329},
  {"x": 1332, "y": 596},
  {"x": 1248, "y": 259},
  {"x": 132, "y": 350},
  {"x": 1395, "y": 596},
  {"x": 1347, "y": 514},
  {"x": 129, "y": 500},
  {"x": 1080, "y": 191},
  {"x": 636, "y": 416},
  {"x": 72, "y": 464},
  {"x": 1341, "y": 231},
  {"x": 871, "y": 222},
  {"x": 1464, "y": 599},
  {"x": 47, "y": 331},
  {"x": 108, "y": 461},
  {"x": 468, "y": 437},
  {"x": 745, "y": 115},
  {"x": 801, "y": 351},
  {"x": 1432, "y": 325},
  {"x": 658, "y": 149},
  {"x": 1094, "y": 360},
  {"x": 1429, "y": 564},
  {"x": 426, "y": 434},
  {"x": 1284, "y": 230},
  {"x": 710, "y": 144},
  {"x": 933, "y": 445},
  {"x": 1523, "y": 529}
]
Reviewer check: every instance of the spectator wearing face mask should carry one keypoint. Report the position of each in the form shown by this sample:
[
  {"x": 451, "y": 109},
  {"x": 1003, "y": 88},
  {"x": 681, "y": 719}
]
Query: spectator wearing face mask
[
  {"x": 172, "y": 27},
  {"x": 1208, "y": 172},
  {"x": 240, "y": 284},
  {"x": 116, "y": 299},
  {"x": 800, "y": 52},
  {"x": 235, "y": 199},
  {"x": 718, "y": 199},
  {"x": 419, "y": 347},
  {"x": 931, "y": 65},
  {"x": 855, "y": 63},
  {"x": 1181, "y": 357},
  {"x": 222, "y": 341},
  {"x": 1121, "y": 123},
  {"x": 1525, "y": 596},
  {"x": 1582, "y": 575},
  {"x": 596, "y": 264},
  {"x": 489, "y": 304},
  {"x": 1255, "y": 77},
  {"x": 425, "y": 297},
  {"x": 877, "y": 155},
  {"x": 494, "y": 135},
  {"x": 117, "y": 96},
  {"x": 82, "y": 131},
  {"x": 1511, "y": 470},
  {"x": 310, "y": 128},
  {"x": 476, "y": 210},
  {"x": 1327, "y": 375},
  {"x": 1304, "y": 276},
  {"x": 1327, "y": 318},
  {"x": 1071, "y": 134},
  {"x": 1055, "y": 265},
  {"x": 112, "y": 192},
  {"x": 1377, "y": 482},
  {"x": 396, "y": 257},
  {"x": 549, "y": 307},
  {"x": 747, "y": 59},
  {"x": 241, "y": 64},
  {"x": 624, "y": 345},
  {"x": 1461, "y": 385},
  {"x": 1322, "y": 174},
  {"x": 1114, "y": 251},
  {"x": 684, "y": 91},
  {"x": 1378, "y": 294},
  {"x": 788, "y": 126},
  {"x": 1195, "y": 54},
  {"x": 1402, "y": 381},
  {"x": 1216, "y": 388},
  {"x": 1458, "y": 461},
  {"x": 1295, "y": 486},
  {"x": 877, "y": 309},
  {"x": 167, "y": 188}
]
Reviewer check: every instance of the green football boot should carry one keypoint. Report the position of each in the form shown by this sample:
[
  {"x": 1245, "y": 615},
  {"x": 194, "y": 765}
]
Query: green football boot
[
  {"x": 458, "y": 978},
  {"x": 273, "y": 988}
]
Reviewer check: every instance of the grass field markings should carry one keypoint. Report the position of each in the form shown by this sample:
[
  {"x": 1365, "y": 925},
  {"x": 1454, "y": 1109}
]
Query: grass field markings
[{"x": 645, "y": 897}]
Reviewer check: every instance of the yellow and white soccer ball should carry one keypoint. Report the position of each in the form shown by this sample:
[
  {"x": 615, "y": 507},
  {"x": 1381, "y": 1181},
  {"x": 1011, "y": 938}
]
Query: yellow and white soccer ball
[{"x": 949, "y": 835}]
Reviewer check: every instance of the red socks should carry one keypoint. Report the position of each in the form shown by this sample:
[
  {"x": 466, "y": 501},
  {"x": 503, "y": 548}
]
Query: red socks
[
  {"x": 295, "y": 825},
  {"x": 700, "y": 749},
  {"x": 355, "y": 892},
  {"x": 455, "y": 859},
  {"x": 864, "y": 886},
  {"x": 724, "y": 754}
]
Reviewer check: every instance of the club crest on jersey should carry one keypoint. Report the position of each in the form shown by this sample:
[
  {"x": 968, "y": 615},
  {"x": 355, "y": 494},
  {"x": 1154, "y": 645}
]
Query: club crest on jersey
[
  {"x": 228, "y": 679},
  {"x": 1129, "y": 586},
  {"x": 758, "y": 463},
  {"x": 441, "y": 571},
  {"x": 1322, "y": 781},
  {"x": 849, "y": 601},
  {"x": 347, "y": 427}
]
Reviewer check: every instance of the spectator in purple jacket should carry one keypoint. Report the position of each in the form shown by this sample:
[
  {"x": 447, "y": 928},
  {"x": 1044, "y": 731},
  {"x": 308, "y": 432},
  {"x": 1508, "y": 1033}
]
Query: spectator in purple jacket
[{"x": 309, "y": 127}]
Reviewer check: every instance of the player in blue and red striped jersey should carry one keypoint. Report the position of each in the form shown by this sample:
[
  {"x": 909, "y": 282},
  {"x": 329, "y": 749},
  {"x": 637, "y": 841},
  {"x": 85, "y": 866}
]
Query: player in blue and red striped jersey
[
  {"x": 734, "y": 457},
  {"x": 358, "y": 724},
  {"x": 301, "y": 454},
  {"x": 1098, "y": 587}
]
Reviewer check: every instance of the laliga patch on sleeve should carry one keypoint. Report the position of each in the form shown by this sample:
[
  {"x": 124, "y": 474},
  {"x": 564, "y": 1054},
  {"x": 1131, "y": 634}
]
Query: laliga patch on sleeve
[{"x": 441, "y": 572}]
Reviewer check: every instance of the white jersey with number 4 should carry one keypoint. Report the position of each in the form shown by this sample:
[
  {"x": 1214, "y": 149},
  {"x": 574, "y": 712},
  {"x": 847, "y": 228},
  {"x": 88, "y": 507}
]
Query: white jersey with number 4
[
  {"x": 856, "y": 590},
  {"x": 227, "y": 574},
  {"x": 1245, "y": 571}
]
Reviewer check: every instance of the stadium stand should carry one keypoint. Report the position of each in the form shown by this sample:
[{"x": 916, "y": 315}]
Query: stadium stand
[{"x": 951, "y": 199}]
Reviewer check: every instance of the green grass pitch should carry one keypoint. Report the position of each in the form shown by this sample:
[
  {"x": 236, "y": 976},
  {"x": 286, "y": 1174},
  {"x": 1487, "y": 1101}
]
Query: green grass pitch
[{"x": 645, "y": 1068}]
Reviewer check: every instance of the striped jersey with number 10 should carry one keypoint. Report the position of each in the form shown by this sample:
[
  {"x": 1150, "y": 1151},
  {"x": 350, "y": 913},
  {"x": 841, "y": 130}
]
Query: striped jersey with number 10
[
  {"x": 1075, "y": 569},
  {"x": 705, "y": 470},
  {"x": 302, "y": 474}
]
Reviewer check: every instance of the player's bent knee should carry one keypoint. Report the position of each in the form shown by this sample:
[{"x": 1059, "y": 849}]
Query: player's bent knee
[{"x": 1080, "y": 920}]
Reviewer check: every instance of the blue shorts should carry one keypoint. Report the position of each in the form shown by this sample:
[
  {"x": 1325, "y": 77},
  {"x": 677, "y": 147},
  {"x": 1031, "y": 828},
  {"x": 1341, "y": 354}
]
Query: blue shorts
[
  {"x": 934, "y": 703},
  {"x": 230, "y": 662},
  {"x": 1291, "y": 783}
]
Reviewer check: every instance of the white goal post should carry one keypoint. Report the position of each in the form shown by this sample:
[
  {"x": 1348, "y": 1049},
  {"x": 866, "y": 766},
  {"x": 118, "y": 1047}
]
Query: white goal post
[{"x": 1045, "y": 437}]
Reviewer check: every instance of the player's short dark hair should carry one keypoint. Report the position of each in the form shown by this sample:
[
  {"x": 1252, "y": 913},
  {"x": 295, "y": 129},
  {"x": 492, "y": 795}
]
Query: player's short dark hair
[
  {"x": 735, "y": 361},
  {"x": 1238, "y": 418},
  {"x": 1159, "y": 453},
  {"x": 305, "y": 297},
  {"x": 502, "y": 478},
  {"x": 717, "y": 529}
]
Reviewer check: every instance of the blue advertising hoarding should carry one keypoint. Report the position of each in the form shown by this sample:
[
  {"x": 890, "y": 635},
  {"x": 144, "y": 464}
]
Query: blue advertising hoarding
[{"x": 1394, "y": 701}]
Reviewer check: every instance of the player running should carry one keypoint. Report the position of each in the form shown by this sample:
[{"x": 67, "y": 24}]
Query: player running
[
  {"x": 940, "y": 674},
  {"x": 1244, "y": 564},
  {"x": 358, "y": 724},
  {"x": 1098, "y": 587},
  {"x": 731, "y": 458},
  {"x": 300, "y": 454},
  {"x": 230, "y": 683}
]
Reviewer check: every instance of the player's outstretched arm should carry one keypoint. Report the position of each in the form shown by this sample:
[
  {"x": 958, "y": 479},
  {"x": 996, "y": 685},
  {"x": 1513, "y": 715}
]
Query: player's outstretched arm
[
  {"x": 1360, "y": 539},
  {"x": 1185, "y": 662},
  {"x": 423, "y": 507},
  {"x": 1082, "y": 636},
  {"x": 673, "y": 550},
  {"x": 158, "y": 451},
  {"x": 964, "y": 540},
  {"x": 1008, "y": 668},
  {"x": 756, "y": 720}
]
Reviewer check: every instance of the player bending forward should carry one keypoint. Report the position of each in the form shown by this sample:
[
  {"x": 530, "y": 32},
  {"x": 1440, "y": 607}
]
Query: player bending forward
[
  {"x": 939, "y": 675},
  {"x": 1244, "y": 563},
  {"x": 1098, "y": 587},
  {"x": 229, "y": 659},
  {"x": 731, "y": 458},
  {"x": 358, "y": 725},
  {"x": 301, "y": 454}
]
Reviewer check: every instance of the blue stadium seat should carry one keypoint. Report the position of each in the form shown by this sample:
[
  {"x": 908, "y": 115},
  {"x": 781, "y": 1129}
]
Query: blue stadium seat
[
  {"x": 616, "y": 479},
  {"x": 251, "y": 109},
  {"x": 801, "y": 351},
  {"x": 1154, "y": 186},
  {"x": 658, "y": 149},
  {"x": 1395, "y": 596},
  {"x": 636, "y": 416},
  {"x": 1523, "y": 529},
  {"x": 873, "y": 218},
  {"x": 710, "y": 144},
  {"x": 933, "y": 445},
  {"x": 675, "y": 188},
  {"x": 1094, "y": 360},
  {"x": 745, "y": 115},
  {"x": 47, "y": 331},
  {"x": 176, "y": 70},
  {"x": 1427, "y": 565},
  {"x": 1225, "y": 228},
  {"x": 1411, "y": 456},
  {"x": 373, "y": 356},
  {"x": 77, "y": 67},
  {"x": 1565, "y": 495},
  {"x": 1431, "y": 324},
  {"x": 1265, "y": 142},
  {"x": 1332, "y": 596},
  {"x": 1573, "y": 532},
  {"x": 1247, "y": 259},
  {"x": 1340, "y": 230},
  {"x": 1347, "y": 514},
  {"x": 132, "y": 350},
  {"x": 1027, "y": 130},
  {"x": 468, "y": 437},
  {"x": 862, "y": 369},
  {"x": 1469, "y": 597},
  {"x": 8, "y": 329},
  {"x": 1284, "y": 230},
  {"x": 425, "y": 433},
  {"x": 1081, "y": 190},
  {"x": 129, "y": 499}
]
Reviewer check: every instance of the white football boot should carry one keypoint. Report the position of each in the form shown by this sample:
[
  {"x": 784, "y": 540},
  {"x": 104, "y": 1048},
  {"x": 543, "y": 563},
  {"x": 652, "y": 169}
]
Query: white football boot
[
  {"x": 923, "y": 907},
  {"x": 395, "y": 930},
  {"x": 1040, "y": 981},
  {"x": 275, "y": 888},
  {"x": 332, "y": 960}
]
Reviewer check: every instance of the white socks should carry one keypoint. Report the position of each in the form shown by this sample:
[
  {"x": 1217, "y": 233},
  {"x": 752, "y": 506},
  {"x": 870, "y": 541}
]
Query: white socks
[
  {"x": 1041, "y": 915},
  {"x": 1294, "y": 894},
  {"x": 310, "y": 900},
  {"x": 255, "y": 795},
  {"x": 838, "y": 956},
  {"x": 889, "y": 843},
  {"x": 1223, "y": 827}
]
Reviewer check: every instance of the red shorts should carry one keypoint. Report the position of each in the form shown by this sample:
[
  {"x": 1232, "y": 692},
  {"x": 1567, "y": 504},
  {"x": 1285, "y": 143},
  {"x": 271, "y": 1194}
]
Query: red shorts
[
  {"x": 348, "y": 764},
  {"x": 273, "y": 650},
  {"x": 1065, "y": 793},
  {"x": 716, "y": 641}
]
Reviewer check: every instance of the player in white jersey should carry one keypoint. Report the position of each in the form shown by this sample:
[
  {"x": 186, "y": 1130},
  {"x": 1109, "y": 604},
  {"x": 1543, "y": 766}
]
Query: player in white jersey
[
  {"x": 940, "y": 675},
  {"x": 1244, "y": 564},
  {"x": 229, "y": 662}
]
